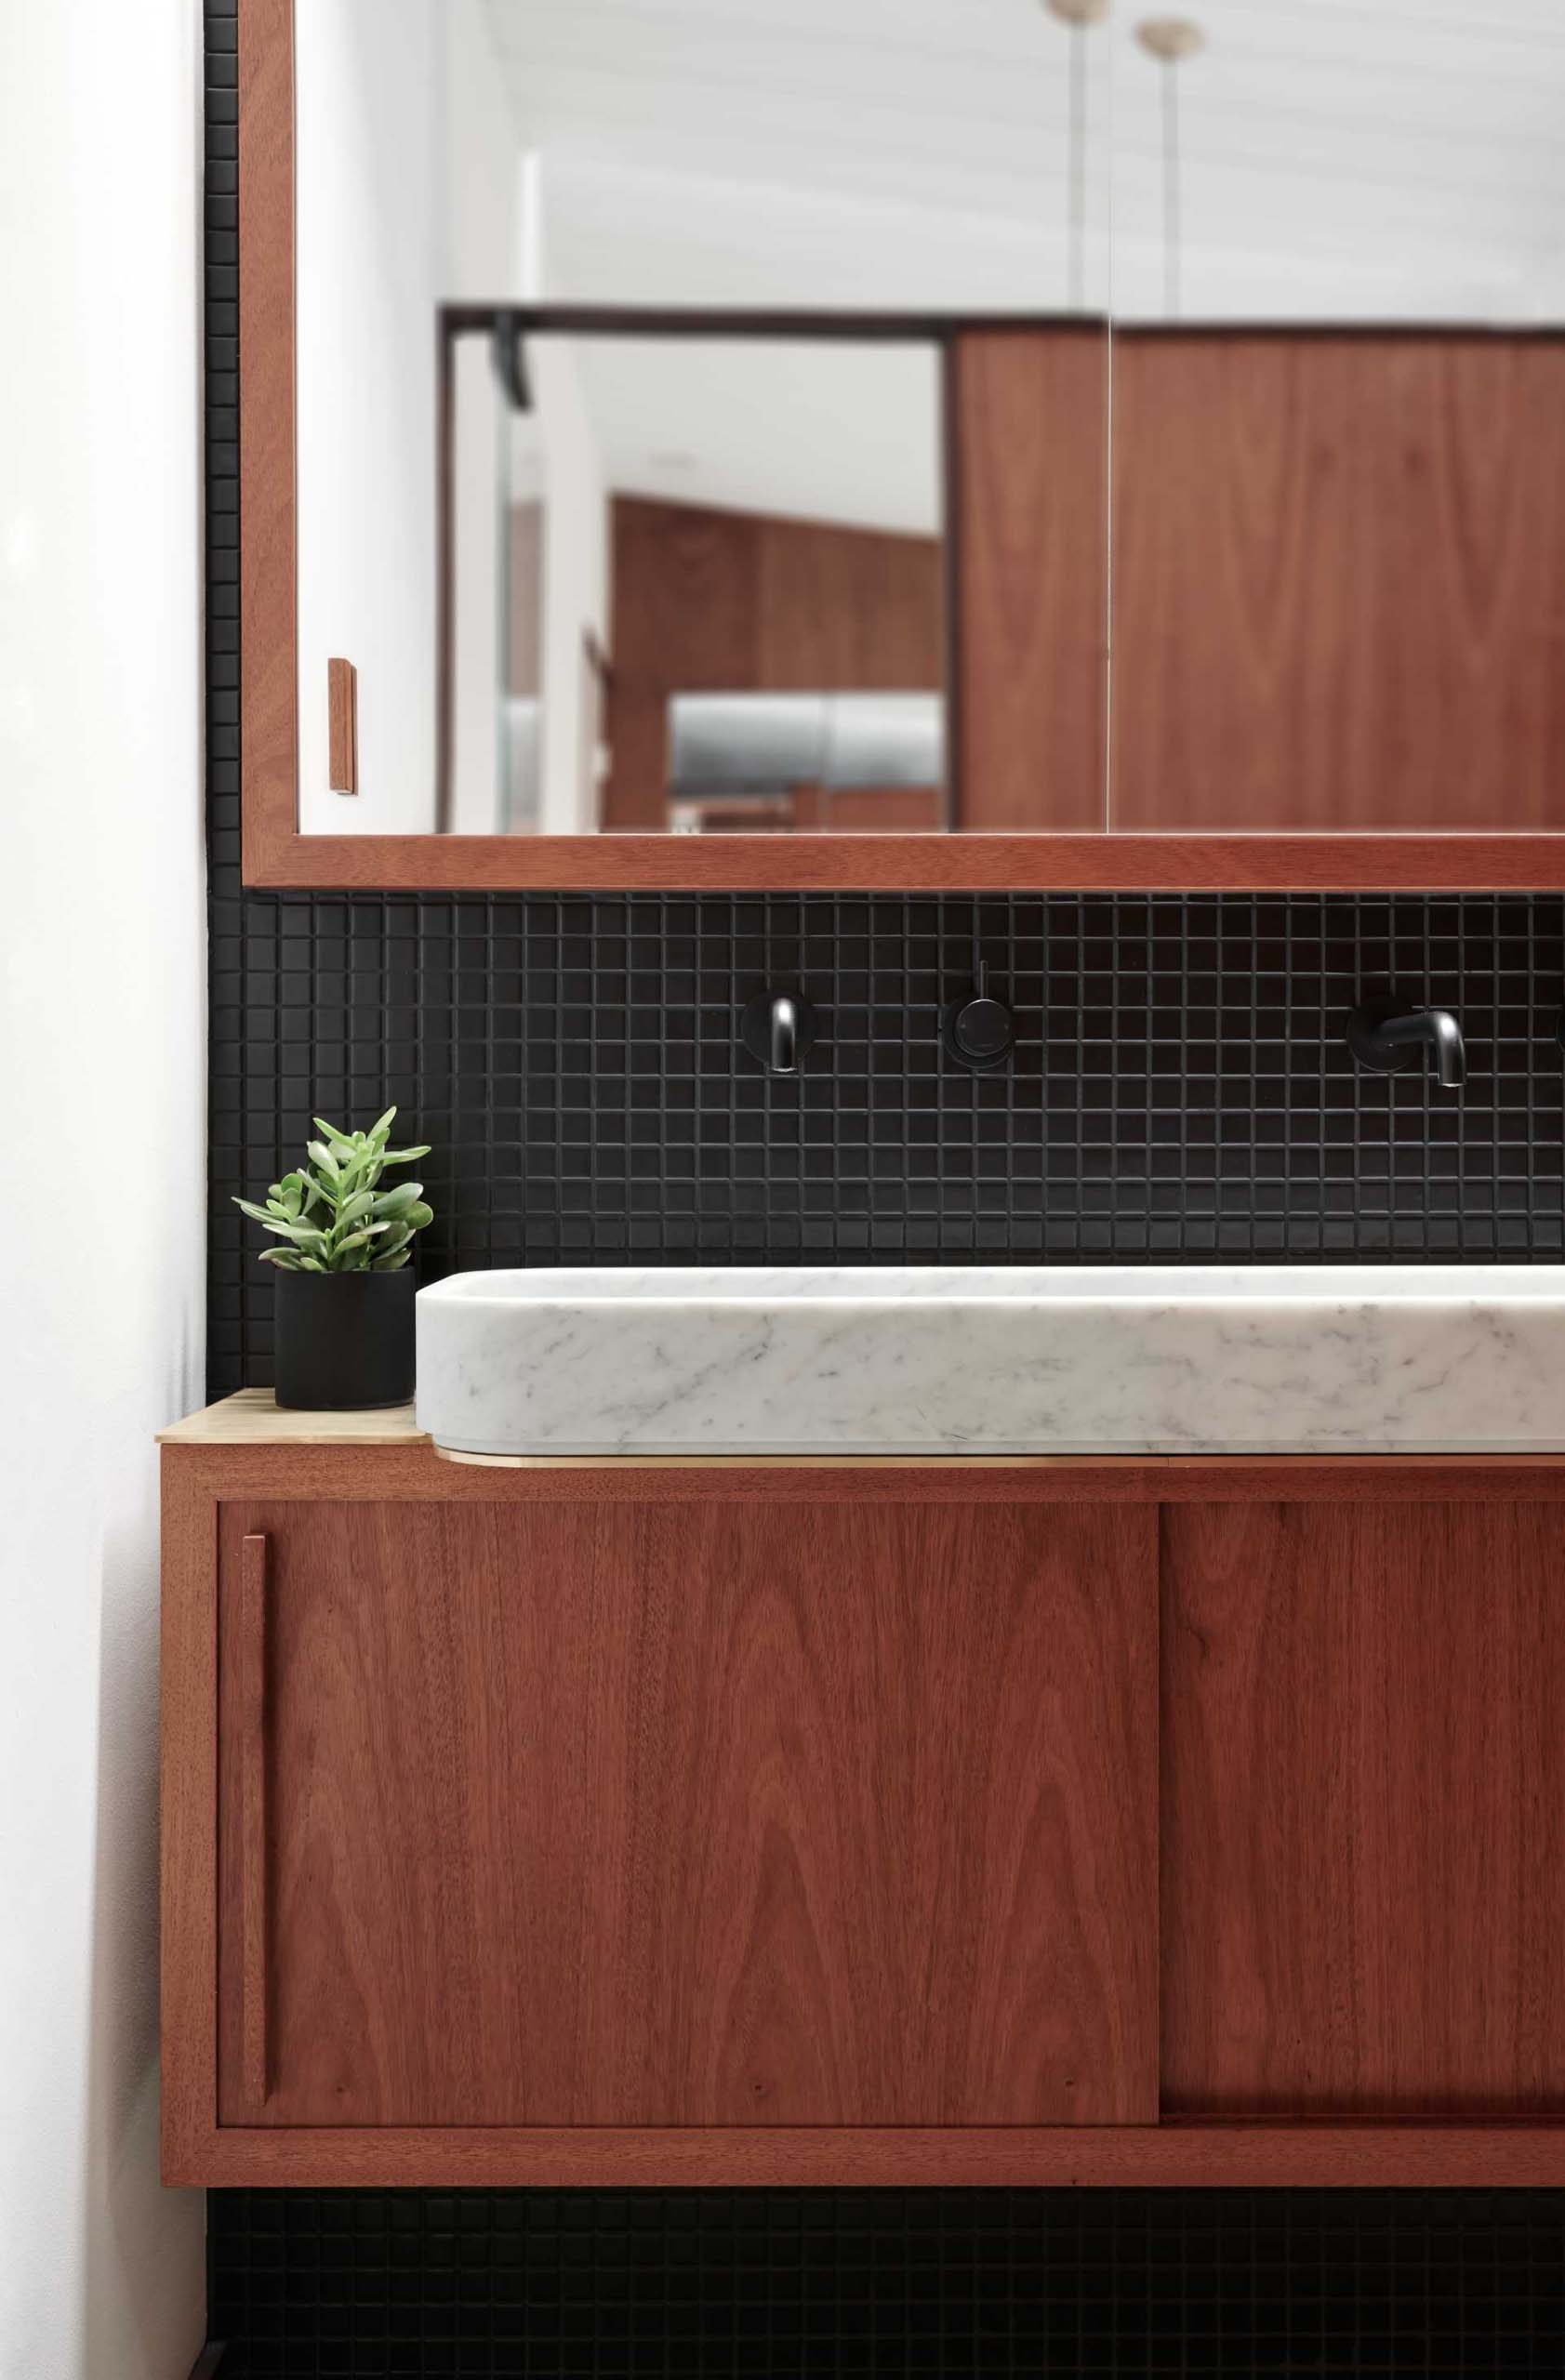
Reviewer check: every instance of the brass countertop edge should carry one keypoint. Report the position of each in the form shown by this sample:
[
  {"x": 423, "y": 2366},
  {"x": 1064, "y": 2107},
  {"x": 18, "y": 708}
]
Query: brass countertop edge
[
  {"x": 250, "y": 1417},
  {"x": 790, "y": 1461},
  {"x": 1150, "y": 1462}
]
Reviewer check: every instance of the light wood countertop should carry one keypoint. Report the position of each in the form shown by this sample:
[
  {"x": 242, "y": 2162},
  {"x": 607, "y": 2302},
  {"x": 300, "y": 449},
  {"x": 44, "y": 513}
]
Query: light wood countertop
[{"x": 254, "y": 1418}]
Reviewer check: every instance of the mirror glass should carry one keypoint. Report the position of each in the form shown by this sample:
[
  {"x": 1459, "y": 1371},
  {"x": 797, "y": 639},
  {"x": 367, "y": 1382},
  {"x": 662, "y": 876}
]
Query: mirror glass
[
  {"x": 682, "y": 579},
  {"x": 1339, "y": 417},
  {"x": 716, "y": 571},
  {"x": 593, "y": 537}
]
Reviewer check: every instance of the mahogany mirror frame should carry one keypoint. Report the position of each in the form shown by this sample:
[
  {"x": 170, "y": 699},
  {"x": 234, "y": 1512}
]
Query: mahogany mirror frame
[{"x": 276, "y": 856}]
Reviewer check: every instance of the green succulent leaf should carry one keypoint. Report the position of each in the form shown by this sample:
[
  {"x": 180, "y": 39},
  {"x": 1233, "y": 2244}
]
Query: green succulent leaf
[
  {"x": 330, "y": 1214},
  {"x": 358, "y": 1239},
  {"x": 304, "y": 1235}
]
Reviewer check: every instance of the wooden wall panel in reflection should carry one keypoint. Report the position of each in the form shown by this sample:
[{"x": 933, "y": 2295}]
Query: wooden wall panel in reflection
[
  {"x": 1028, "y": 417},
  {"x": 1339, "y": 582},
  {"x": 706, "y": 602}
]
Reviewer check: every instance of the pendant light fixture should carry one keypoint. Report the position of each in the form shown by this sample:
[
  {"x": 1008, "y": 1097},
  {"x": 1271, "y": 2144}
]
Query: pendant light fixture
[
  {"x": 1172, "y": 41},
  {"x": 1079, "y": 15}
]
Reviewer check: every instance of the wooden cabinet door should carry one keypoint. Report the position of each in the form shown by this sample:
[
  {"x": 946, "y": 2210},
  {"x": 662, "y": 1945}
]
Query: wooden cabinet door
[
  {"x": 686, "y": 1813},
  {"x": 1363, "y": 1812}
]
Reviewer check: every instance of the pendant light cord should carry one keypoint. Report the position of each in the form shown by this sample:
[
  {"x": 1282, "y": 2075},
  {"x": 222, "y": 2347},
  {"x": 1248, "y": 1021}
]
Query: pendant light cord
[
  {"x": 1078, "y": 236},
  {"x": 1173, "y": 227}
]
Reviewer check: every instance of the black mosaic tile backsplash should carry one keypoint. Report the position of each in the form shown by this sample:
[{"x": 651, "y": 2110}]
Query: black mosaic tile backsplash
[
  {"x": 887, "y": 2284},
  {"x": 1181, "y": 1093},
  {"x": 1181, "y": 1089}
]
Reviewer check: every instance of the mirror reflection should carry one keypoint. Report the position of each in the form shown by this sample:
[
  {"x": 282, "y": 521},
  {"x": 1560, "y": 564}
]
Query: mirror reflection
[
  {"x": 648, "y": 582},
  {"x": 719, "y": 572},
  {"x": 706, "y": 422},
  {"x": 1339, "y": 417}
]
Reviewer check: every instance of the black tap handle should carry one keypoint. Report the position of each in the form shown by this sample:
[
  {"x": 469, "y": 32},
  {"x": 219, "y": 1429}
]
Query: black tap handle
[{"x": 980, "y": 1033}]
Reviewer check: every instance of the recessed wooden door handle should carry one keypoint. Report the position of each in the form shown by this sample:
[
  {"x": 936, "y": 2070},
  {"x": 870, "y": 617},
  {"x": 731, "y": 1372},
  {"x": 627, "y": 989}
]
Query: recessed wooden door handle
[{"x": 254, "y": 1948}]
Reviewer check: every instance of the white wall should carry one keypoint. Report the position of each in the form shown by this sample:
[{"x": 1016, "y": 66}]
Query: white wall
[
  {"x": 576, "y": 579},
  {"x": 102, "y": 1070},
  {"x": 483, "y": 242},
  {"x": 369, "y": 250},
  {"x": 556, "y": 455},
  {"x": 843, "y": 431},
  {"x": 407, "y": 176}
]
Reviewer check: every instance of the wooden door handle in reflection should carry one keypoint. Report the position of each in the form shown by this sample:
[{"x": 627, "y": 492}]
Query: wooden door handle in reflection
[{"x": 343, "y": 711}]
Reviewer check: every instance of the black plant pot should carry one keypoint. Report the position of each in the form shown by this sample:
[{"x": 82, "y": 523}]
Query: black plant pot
[{"x": 344, "y": 1341}]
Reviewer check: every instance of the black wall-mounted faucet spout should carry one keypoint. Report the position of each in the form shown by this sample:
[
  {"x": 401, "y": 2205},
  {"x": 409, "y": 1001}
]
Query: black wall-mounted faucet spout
[
  {"x": 1388, "y": 1037},
  {"x": 777, "y": 1028}
]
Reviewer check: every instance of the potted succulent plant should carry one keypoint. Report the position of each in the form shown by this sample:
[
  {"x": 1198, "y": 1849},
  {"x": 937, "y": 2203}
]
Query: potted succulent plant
[{"x": 344, "y": 1288}]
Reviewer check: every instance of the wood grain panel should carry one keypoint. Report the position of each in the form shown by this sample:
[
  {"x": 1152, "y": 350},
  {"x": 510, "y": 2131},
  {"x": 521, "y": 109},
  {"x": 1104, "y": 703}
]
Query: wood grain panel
[
  {"x": 1363, "y": 1809},
  {"x": 267, "y": 606},
  {"x": 684, "y": 599},
  {"x": 1173, "y": 863},
  {"x": 1184, "y": 2156},
  {"x": 188, "y": 1809},
  {"x": 848, "y": 611},
  {"x": 699, "y": 1815},
  {"x": 708, "y": 602},
  {"x": 1339, "y": 583},
  {"x": 1031, "y": 428},
  {"x": 871, "y": 810}
]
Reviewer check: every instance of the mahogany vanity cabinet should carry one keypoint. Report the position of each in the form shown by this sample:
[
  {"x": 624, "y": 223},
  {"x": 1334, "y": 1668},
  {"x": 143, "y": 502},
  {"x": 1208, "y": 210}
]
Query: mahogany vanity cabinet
[{"x": 976, "y": 1821}]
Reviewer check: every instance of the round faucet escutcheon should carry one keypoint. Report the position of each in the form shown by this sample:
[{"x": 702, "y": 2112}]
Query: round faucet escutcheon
[
  {"x": 1391, "y": 1036},
  {"x": 980, "y": 1033}
]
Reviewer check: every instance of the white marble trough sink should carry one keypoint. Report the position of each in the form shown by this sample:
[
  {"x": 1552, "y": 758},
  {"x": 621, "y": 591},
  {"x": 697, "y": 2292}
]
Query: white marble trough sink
[{"x": 986, "y": 1360}]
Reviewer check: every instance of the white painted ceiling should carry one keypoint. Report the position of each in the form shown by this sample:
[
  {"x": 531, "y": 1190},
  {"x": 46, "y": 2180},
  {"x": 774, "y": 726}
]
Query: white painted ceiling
[
  {"x": 1355, "y": 157},
  {"x": 1388, "y": 159},
  {"x": 1338, "y": 159},
  {"x": 817, "y": 432},
  {"x": 734, "y": 150}
]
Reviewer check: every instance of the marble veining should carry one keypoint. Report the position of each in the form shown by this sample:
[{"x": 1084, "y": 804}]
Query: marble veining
[{"x": 949, "y": 1359}]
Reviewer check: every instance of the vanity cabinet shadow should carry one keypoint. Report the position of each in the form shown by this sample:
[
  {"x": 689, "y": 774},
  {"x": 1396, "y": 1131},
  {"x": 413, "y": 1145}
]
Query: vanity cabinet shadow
[{"x": 698, "y": 1812}]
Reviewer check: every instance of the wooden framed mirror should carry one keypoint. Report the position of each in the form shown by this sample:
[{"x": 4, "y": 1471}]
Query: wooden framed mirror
[{"x": 748, "y": 584}]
